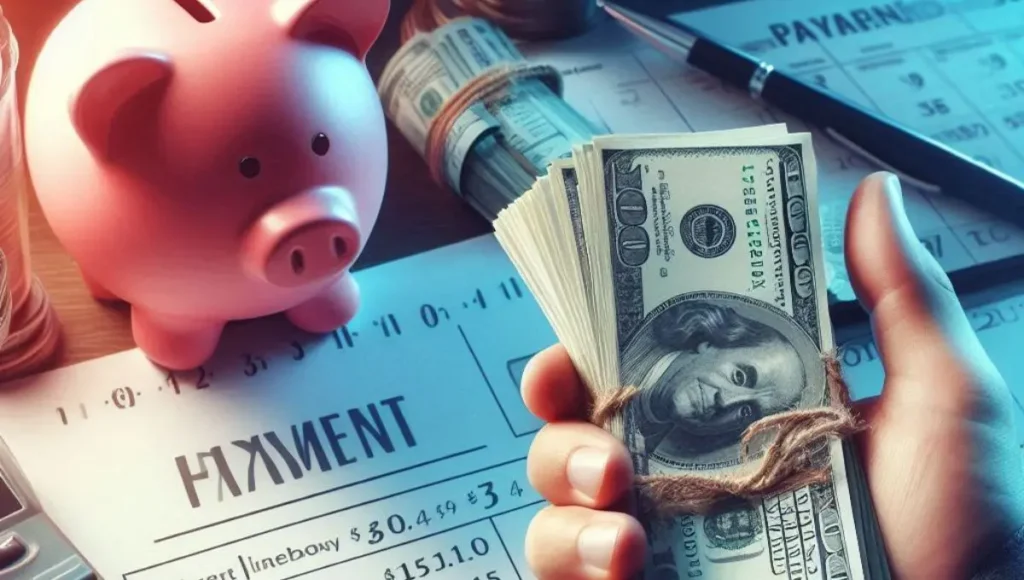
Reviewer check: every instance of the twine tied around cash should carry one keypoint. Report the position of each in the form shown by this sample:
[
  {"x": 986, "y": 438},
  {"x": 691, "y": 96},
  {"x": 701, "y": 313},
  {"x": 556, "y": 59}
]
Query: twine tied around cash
[
  {"x": 787, "y": 463},
  {"x": 489, "y": 86}
]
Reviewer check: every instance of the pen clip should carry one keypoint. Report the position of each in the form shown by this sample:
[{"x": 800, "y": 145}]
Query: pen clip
[{"x": 922, "y": 185}]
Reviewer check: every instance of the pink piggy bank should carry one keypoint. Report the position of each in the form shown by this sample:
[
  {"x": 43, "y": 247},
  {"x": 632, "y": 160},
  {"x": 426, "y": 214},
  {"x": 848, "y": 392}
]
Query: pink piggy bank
[{"x": 211, "y": 160}]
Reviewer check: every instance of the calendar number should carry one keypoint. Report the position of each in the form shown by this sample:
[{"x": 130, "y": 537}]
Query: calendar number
[
  {"x": 1011, "y": 90},
  {"x": 933, "y": 108}
]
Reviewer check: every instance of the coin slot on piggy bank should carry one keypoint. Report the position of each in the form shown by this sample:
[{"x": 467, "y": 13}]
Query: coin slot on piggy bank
[
  {"x": 211, "y": 160},
  {"x": 201, "y": 10}
]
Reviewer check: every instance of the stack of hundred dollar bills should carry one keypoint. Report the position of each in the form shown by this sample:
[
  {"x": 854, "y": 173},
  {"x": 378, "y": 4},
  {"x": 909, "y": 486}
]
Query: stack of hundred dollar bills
[{"x": 690, "y": 266}]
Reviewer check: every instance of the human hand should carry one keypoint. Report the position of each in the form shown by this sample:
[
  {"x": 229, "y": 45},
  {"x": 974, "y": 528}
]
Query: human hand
[{"x": 944, "y": 472}]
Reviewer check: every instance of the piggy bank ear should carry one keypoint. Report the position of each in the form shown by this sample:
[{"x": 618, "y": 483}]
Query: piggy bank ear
[
  {"x": 352, "y": 25},
  {"x": 103, "y": 97}
]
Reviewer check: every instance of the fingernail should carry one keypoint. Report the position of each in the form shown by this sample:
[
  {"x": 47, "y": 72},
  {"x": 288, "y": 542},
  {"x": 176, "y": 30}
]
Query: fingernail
[
  {"x": 586, "y": 470},
  {"x": 926, "y": 265},
  {"x": 526, "y": 374},
  {"x": 596, "y": 545},
  {"x": 901, "y": 223},
  {"x": 894, "y": 193}
]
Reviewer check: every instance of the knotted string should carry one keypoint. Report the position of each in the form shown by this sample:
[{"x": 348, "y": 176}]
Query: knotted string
[{"x": 790, "y": 461}]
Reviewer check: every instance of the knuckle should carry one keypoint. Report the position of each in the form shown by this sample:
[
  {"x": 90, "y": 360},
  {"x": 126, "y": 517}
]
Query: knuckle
[
  {"x": 538, "y": 541},
  {"x": 546, "y": 432},
  {"x": 543, "y": 443},
  {"x": 544, "y": 516},
  {"x": 540, "y": 457},
  {"x": 534, "y": 471},
  {"x": 937, "y": 275},
  {"x": 559, "y": 437}
]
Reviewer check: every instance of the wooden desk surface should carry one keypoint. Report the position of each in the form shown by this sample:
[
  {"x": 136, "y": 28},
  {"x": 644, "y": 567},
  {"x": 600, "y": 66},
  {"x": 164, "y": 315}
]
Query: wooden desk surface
[{"x": 416, "y": 215}]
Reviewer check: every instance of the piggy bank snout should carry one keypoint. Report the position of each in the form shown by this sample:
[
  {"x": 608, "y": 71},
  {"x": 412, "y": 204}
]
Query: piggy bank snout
[{"x": 304, "y": 239}]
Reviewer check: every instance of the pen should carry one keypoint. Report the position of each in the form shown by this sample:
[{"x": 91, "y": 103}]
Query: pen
[{"x": 915, "y": 158}]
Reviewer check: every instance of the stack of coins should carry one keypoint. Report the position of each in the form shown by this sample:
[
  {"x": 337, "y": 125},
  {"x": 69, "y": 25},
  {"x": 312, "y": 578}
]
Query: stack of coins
[
  {"x": 34, "y": 332},
  {"x": 5, "y": 302},
  {"x": 534, "y": 20}
]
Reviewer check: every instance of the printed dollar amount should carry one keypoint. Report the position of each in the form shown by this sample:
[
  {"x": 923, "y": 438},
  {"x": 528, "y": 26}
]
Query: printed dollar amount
[
  {"x": 487, "y": 496},
  {"x": 443, "y": 560},
  {"x": 468, "y": 524}
]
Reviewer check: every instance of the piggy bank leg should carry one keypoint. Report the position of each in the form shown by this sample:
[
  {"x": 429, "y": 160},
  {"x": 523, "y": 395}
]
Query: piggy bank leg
[
  {"x": 97, "y": 290},
  {"x": 173, "y": 342},
  {"x": 330, "y": 309}
]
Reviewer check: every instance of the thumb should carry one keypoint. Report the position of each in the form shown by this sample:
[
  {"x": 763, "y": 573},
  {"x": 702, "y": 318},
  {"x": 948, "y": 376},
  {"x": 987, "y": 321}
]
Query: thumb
[{"x": 928, "y": 349}]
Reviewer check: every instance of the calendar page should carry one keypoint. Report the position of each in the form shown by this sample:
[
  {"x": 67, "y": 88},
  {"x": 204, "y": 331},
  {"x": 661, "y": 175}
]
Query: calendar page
[
  {"x": 392, "y": 449},
  {"x": 953, "y": 70}
]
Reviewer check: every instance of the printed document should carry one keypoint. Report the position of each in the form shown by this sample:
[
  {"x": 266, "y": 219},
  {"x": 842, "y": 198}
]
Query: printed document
[
  {"x": 952, "y": 70},
  {"x": 395, "y": 448}
]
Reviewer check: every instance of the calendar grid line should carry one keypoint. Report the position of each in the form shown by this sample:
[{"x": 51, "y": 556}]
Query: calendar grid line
[
  {"x": 911, "y": 49},
  {"x": 661, "y": 89},
  {"x": 972, "y": 106}
]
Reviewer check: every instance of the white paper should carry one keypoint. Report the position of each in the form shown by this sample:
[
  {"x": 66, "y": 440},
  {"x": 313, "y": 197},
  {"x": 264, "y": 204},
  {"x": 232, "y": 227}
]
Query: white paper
[
  {"x": 957, "y": 76},
  {"x": 467, "y": 328},
  {"x": 451, "y": 347}
]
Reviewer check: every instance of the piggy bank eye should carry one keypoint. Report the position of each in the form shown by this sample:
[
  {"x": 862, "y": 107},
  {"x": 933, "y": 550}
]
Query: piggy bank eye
[
  {"x": 249, "y": 167},
  {"x": 321, "y": 144}
]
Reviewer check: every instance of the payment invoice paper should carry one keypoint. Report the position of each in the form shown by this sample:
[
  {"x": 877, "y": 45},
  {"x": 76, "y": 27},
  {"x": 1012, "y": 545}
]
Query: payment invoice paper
[
  {"x": 952, "y": 70},
  {"x": 395, "y": 448},
  {"x": 392, "y": 449}
]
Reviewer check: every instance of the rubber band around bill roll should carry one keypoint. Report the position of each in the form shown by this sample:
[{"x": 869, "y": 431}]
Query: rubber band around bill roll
[
  {"x": 787, "y": 463},
  {"x": 486, "y": 87}
]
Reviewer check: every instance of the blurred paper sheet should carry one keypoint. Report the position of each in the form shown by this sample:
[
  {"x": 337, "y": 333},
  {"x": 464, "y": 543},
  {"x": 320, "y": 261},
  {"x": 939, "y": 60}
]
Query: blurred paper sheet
[{"x": 953, "y": 70}]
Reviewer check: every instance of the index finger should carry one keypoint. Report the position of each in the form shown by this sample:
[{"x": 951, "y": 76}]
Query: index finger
[{"x": 552, "y": 389}]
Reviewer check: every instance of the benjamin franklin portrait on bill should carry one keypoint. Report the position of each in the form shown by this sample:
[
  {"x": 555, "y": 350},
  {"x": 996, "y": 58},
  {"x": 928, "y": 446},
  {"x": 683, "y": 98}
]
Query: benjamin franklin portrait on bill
[{"x": 708, "y": 368}]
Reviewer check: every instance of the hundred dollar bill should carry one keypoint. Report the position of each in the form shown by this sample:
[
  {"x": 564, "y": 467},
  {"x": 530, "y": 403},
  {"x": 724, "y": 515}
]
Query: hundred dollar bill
[
  {"x": 497, "y": 148},
  {"x": 699, "y": 279}
]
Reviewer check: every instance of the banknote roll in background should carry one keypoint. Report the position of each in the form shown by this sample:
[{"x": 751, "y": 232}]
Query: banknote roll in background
[
  {"x": 496, "y": 146},
  {"x": 520, "y": 19}
]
